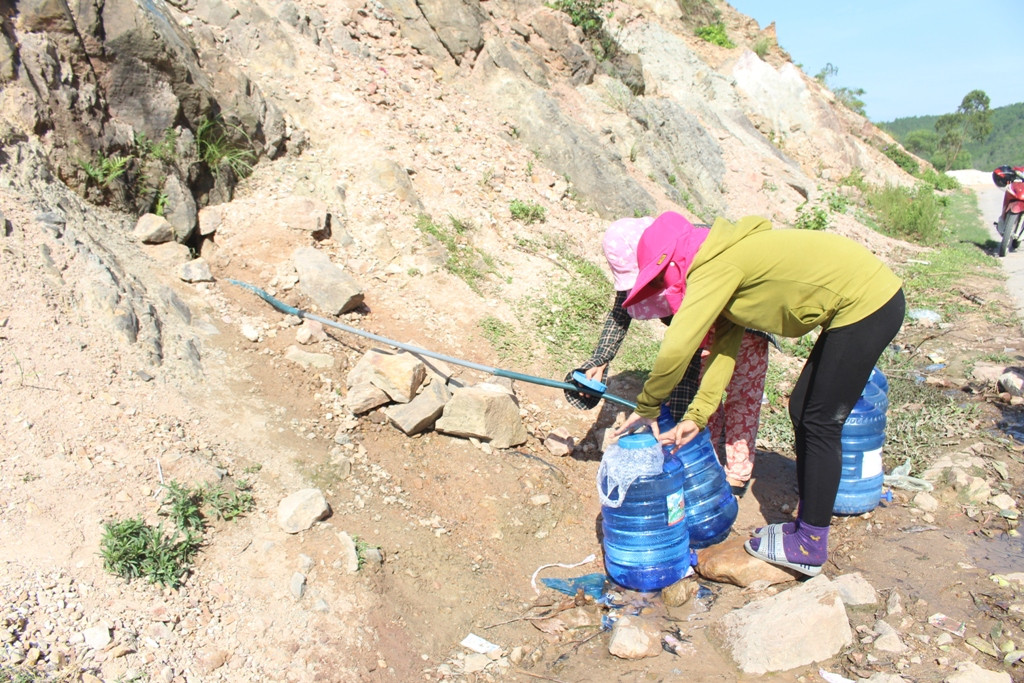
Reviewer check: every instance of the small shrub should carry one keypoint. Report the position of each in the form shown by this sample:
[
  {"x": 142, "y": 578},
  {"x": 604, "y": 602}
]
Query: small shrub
[
  {"x": 527, "y": 212},
  {"x": 908, "y": 214},
  {"x": 584, "y": 14},
  {"x": 811, "y": 217},
  {"x": 761, "y": 47},
  {"x": 715, "y": 34},
  {"x": 836, "y": 201},
  {"x": 133, "y": 549},
  {"x": 939, "y": 181},
  {"x": 217, "y": 149},
  {"x": 105, "y": 170},
  {"x": 901, "y": 158}
]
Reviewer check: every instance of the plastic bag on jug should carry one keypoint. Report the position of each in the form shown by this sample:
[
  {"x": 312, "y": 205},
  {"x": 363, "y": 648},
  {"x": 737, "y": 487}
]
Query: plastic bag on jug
[{"x": 632, "y": 456}]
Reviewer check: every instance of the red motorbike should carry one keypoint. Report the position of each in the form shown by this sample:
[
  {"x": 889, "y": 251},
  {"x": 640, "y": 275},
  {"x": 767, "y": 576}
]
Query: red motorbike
[{"x": 1011, "y": 221}]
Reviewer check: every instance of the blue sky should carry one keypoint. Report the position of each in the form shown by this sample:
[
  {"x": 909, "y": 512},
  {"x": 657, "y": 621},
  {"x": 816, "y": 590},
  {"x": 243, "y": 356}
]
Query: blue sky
[{"x": 911, "y": 57}]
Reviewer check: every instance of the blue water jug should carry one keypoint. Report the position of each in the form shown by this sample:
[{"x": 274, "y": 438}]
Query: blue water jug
[
  {"x": 646, "y": 541},
  {"x": 860, "y": 483},
  {"x": 879, "y": 379},
  {"x": 711, "y": 508},
  {"x": 877, "y": 390}
]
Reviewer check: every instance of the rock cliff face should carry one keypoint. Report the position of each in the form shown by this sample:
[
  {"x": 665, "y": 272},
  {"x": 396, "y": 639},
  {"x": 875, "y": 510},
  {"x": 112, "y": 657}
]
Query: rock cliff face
[{"x": 386, "y": 111}]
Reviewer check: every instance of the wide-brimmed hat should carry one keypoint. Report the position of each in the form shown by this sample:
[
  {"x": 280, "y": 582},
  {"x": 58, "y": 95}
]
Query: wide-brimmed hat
[
  {"x": 666, "y": 248},
  {"x": 620, "y": 240}
]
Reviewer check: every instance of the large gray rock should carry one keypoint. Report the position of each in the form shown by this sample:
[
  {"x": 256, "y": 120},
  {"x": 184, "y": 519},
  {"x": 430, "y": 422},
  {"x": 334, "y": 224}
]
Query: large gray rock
[
  {"x": 456, "y": 24},
  {"x": 484, "y": 413},
  {"x": 422, "y": 412},
  {"x": 399, "y": 375},
  {"x": 799, "y": 626},
  {"x": 300, "y": 510},
  {"x": 323, "y": 281}
]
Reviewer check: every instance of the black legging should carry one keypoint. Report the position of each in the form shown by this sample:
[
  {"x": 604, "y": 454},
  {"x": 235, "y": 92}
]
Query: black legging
[{"x": 829, "y": 385}]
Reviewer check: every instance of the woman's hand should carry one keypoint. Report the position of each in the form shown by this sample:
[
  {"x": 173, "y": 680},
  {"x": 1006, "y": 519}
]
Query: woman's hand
[
  {"x": 680, "y": 435},
  {"x": 596, "y": 373},
  {"x": 635, "y": 422}
]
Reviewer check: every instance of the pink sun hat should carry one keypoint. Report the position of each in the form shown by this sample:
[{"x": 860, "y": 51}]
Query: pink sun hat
[
  {"x": 666, "y": 248},
  {"x": 620, "y": 240}
]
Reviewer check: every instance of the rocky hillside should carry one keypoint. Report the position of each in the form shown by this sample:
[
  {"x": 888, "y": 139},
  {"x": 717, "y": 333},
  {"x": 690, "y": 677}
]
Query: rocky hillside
[{"x": 454, "y": 160}]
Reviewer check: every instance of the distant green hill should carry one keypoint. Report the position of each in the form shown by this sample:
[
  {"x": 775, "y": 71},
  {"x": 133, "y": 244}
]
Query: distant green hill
[{"x": 1004, "y": 146}]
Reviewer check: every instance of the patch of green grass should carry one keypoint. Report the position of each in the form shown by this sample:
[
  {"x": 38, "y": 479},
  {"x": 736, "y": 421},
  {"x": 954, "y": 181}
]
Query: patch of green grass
[
  {"x": 901, "y": 158},
  {"x": 132, "y": 549},
  {"x": 775, "y": 426},
  {"x": 14, "y": 674},
  {"x": 218, "y": 145},
  {"x": 909, "y": 214},
  {"x": 228, "y": 505},
  {"x": 715, "y": 34},
  {"x": 935, "y": 279},
  {"x": 463, "y": 260},
  {"x": 920, "y": 416},
  {"x": 505, "y": 339},
  {"x": 527, "y": 212}
]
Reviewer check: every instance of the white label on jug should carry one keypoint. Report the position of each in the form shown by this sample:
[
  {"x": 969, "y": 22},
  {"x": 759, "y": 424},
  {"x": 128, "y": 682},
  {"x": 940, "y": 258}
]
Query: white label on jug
[
  {"x": 871, "y": 465},
  {"x": 676, "y": 507}
]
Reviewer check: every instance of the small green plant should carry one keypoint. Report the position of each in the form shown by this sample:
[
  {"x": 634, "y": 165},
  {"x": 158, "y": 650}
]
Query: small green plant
[
  {"x": 768, "y": 186},
  {"x": 217, "y": 149},
  {"x": 584, "y": 14},
  {"x": 672, "y": 180},
  {"x": 855, "y": 179},
  {"x": 227, "y": 505},
  {"x": 133, "y": 549},
  {"x": 715, "y": 34},
  {"x": 253, "y": 469},
  {"x": 527, "y": 212},
  {"x": 810, "y": 217},
  {"x": 160, "y": 205},
  {"x": 162, "y": 149},
  {"x": 836, "y": 202},
  {"x": 761, "y": 47},
  {"x": 105, "y": 170},
  {"x": 183, "y": 506}
]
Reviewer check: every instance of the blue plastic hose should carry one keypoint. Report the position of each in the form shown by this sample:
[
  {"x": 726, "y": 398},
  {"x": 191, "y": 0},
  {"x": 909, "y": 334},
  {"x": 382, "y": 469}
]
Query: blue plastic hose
[{"x": 291, "y": 310}]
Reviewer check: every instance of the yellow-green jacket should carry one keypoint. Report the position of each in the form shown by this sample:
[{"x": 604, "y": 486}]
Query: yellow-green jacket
[{"x": 746, "y": 274}]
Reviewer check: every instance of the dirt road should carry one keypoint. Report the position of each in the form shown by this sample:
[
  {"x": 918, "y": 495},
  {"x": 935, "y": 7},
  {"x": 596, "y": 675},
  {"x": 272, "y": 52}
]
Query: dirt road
[{"x": 990, "y": 201}]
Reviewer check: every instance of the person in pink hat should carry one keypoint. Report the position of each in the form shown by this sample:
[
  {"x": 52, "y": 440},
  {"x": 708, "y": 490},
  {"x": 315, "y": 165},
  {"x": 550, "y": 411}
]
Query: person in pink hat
[
  {"x": 787, "y": 282},
  {"x": 734, "y": 425}
]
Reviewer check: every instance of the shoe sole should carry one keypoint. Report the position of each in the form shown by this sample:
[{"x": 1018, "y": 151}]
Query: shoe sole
[{"x": 805, "y": 569}]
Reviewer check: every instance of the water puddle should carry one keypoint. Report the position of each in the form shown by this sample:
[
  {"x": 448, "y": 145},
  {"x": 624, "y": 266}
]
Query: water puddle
[{"x": 1003, "y": 554}]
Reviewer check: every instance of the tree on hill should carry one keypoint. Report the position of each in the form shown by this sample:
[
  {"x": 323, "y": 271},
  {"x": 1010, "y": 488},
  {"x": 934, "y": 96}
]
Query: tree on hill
[{"x": 971, "y": 121}]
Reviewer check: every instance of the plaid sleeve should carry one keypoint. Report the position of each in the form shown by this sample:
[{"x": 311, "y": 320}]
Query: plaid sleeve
[{"x": 616, "y": 324}]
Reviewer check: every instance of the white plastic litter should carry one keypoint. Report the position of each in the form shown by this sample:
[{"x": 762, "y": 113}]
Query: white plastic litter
[
  {"x": 900, "y": 478},
  {"x": 533, "y": 579},
  {"x": 478, "y": 644}
]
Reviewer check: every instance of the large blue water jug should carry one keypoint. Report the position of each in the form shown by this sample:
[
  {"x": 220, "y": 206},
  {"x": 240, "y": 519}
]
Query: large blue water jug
[
  {"x": 646, "y": 541},
  {"x": 860, "y": 484},
  {"x": 711, "y": 507},
  {"x": 877, "y": 389}
]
